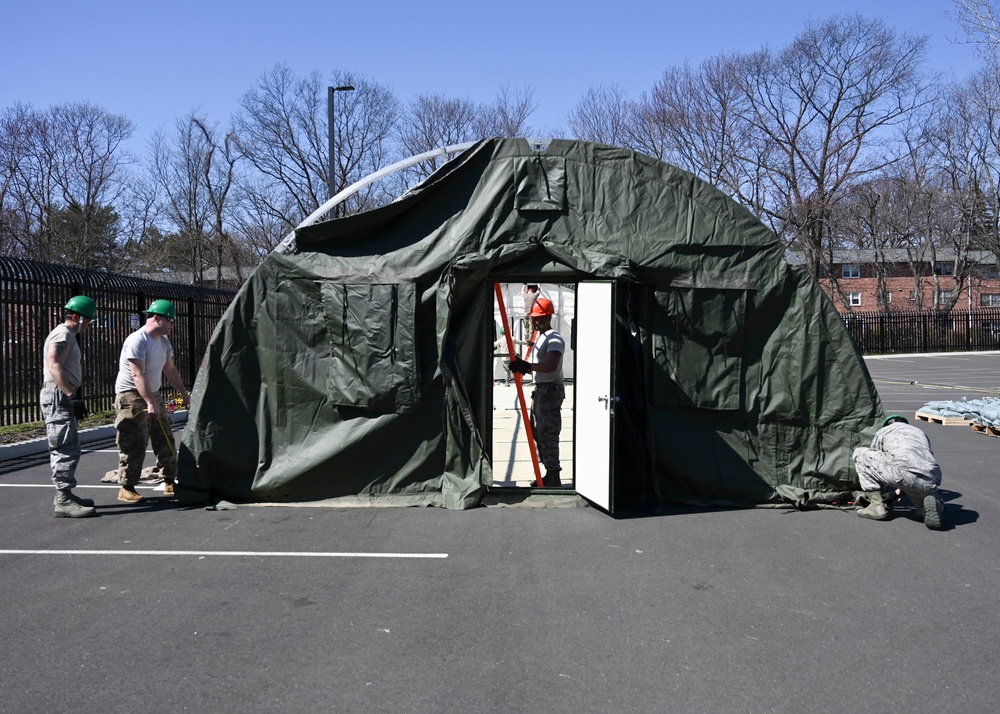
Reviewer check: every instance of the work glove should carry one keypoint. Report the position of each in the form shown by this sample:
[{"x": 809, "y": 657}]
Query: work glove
[
  {"x": 78, "y": 406},
  {"x": 520, "y": 366}
]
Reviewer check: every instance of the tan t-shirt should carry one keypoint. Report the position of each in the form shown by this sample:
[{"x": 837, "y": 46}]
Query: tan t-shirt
[{"x": 73, "y": 366}]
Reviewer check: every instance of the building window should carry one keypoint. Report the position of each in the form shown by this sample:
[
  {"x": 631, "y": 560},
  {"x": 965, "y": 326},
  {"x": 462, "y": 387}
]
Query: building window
[
  {"x": 989, "y": 272},
  {"x": 885, "y": 297},
  {"x": 854, "y": 299},
  {"x": 944, "y": 267},
  {"x": 850, "y": 271},
  {"x": 944, "y": 296},
  {"x": 989, "y": 299}
]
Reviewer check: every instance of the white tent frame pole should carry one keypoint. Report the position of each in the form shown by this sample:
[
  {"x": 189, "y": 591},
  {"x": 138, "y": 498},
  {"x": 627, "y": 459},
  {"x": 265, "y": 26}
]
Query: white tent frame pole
[{"x": 342, "y": 196}]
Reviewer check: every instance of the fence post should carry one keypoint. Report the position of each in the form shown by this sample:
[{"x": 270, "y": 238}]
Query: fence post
[{"x": 192, "y": 351}]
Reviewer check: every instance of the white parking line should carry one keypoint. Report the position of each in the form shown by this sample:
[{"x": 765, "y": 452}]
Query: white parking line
[
  {"x": 231, "y": 553},
  {"x": 79, "y": 485}
]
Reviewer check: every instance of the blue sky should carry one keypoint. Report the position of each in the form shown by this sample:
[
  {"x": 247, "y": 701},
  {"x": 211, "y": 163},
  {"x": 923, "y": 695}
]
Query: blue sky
[{"x": 156, "y": 61}]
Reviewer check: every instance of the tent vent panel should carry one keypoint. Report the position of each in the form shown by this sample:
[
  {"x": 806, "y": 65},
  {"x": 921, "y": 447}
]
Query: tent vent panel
[
  {"x": 697, "y": 341},
  {"x": 372, "y": 332},
  {"x": 541, "y": 184}
]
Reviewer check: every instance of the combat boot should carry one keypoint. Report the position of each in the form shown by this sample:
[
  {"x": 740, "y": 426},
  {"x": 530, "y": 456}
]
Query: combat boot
[
  {"x": 933, "y": 511},
  {"x": 875, "y": 510},
  {"x": 128, "y": 494},
  {"x": 89, "y": 502},
  {"x": 551, "y": 478},
  {"x": 65, "y": 506}
]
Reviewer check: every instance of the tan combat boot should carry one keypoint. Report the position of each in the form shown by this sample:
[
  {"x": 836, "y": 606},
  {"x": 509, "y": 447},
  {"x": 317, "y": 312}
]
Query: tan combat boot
[
  {"x": 875, "y": 510},
  {"x": 128, "y": 494}
]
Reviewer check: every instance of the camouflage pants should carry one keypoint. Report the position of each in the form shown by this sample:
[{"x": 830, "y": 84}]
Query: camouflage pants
[
  {"x": 877, "y": 469},
  {"x": 63, "y": 438},
  {"x": 546, "y": 421},
  {"x": 135, "y": 430}
]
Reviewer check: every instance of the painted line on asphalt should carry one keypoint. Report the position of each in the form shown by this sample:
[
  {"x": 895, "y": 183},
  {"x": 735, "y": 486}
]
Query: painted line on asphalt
[
  {"x": 155, "y": 487},
  {"x": 928, "y": 385},
  {"x": 228, "y": 553}
]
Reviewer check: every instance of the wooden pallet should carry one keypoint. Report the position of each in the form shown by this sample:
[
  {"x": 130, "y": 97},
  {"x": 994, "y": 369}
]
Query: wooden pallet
[
  {"x": 984, "y": 429},
  {"x": 943, "y": 420}
]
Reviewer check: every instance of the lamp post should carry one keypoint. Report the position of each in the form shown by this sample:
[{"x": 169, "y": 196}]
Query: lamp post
[{"x": 332, "y": 182}]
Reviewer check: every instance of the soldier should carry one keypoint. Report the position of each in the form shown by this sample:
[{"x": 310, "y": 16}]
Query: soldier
[
  {"x": 62, "y": 405},
  {"x": 549, "y": 392},
  {"x": 900, "y": 457},
  {"x": 140, "y": 415}
]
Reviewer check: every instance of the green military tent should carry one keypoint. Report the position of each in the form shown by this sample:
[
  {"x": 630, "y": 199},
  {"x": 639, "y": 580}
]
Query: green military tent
[{"x": 355, "y": 364}]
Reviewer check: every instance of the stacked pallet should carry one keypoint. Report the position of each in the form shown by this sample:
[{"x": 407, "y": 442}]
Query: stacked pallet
[
  {"x": 984, "y": 429},
  {"x": 943, "y": 420}
]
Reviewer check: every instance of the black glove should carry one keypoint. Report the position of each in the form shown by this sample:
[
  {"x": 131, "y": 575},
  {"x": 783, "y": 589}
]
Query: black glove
[
  {"x": 79, "y": 407},
  {"x": 520, "y": 366}
]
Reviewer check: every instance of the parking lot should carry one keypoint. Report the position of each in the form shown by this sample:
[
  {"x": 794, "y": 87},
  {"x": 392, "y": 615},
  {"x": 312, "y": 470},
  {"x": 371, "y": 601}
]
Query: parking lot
[{"x": 160, "y": 607}]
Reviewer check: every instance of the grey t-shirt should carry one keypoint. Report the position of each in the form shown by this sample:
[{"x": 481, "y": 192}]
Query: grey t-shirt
[
  {"x": 72, "y": 366},
  {"x": 151, "y": 351},
  {"x": 545, "y": 343}
]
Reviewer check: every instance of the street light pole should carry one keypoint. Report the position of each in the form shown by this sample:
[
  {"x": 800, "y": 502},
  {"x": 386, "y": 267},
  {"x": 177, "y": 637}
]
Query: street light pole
[{"x": 332, "y": 180}]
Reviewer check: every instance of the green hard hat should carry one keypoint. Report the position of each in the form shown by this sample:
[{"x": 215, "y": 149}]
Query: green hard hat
[
  {"x": 894, "y": 417},
  {"x": 82, "y": 305},
  {"x": 164, "y": 308}
]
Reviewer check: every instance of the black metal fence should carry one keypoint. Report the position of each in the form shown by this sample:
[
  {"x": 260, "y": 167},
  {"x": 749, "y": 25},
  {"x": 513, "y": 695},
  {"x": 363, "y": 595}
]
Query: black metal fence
[
  {"x": 880, "y": 333},
  {"x": 32, "y": 296}
]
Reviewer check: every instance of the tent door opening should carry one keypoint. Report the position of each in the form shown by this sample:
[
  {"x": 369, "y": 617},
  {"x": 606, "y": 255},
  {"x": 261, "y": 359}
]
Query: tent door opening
[
  {"x": 585, "y": 319},
  {"x": 510, "y": 451}
]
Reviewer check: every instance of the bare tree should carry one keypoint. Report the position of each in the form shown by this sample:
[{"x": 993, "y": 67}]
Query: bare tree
[
  {"x": 696, "y": 118},
  {"x": 281, "y": 130},
  {"x": 179, "y": 170},
  {"x": 366, "y": 138},
  {"x": 826, "y": 107},
  {"x": 603, "y": 115},
  {"x": 13, "y": 148},
  {"x": 218, "y": 170},
  {"x": 30, "y": 190},
  {"x": 432, "y": 122},
  {"x": 139, "y": 209},
  {"x": 978, "y": 20},
  {"x": 63, "y": 171},
  {"x": 967, "y": 139},
  {"x": 507, "y": 115},
  {"x": 90, "y": 170}
]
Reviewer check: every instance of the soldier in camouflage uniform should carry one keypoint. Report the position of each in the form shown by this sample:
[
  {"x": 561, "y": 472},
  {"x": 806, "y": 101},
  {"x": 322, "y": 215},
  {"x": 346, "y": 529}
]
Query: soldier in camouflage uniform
[
  {"x": 900, "y": 457},
  {"x": 62, "y": 405},
  {"x": 140, "y": 415},
  {"x": 549, "y": 392}
]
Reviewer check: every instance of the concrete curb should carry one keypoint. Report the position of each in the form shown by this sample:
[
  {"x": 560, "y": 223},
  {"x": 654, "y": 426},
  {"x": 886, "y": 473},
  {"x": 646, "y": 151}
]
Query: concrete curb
[{"x": 97, "y": 433}]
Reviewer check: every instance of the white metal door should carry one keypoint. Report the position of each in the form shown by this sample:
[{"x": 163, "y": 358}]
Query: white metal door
[{"x": 594, "y": 399}]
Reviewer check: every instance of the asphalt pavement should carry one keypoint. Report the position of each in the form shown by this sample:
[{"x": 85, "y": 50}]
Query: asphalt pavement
[{"x": 165, "y": 608}]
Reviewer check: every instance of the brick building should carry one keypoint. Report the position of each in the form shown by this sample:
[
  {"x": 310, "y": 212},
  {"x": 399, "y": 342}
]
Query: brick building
[{"x": 856, "y": 285}]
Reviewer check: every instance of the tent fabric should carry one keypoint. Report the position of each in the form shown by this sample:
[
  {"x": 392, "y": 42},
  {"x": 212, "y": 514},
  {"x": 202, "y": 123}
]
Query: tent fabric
[{"x": 357, "y": 365}]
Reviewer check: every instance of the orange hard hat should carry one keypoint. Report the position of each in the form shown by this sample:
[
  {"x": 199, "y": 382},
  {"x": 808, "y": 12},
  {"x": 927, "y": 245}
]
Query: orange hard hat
[{"x": 542, "y": 307}]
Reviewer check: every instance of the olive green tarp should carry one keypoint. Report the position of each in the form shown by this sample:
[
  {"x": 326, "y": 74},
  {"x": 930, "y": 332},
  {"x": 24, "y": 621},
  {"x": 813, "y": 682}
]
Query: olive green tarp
[{"x": 356, "y": 366}]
